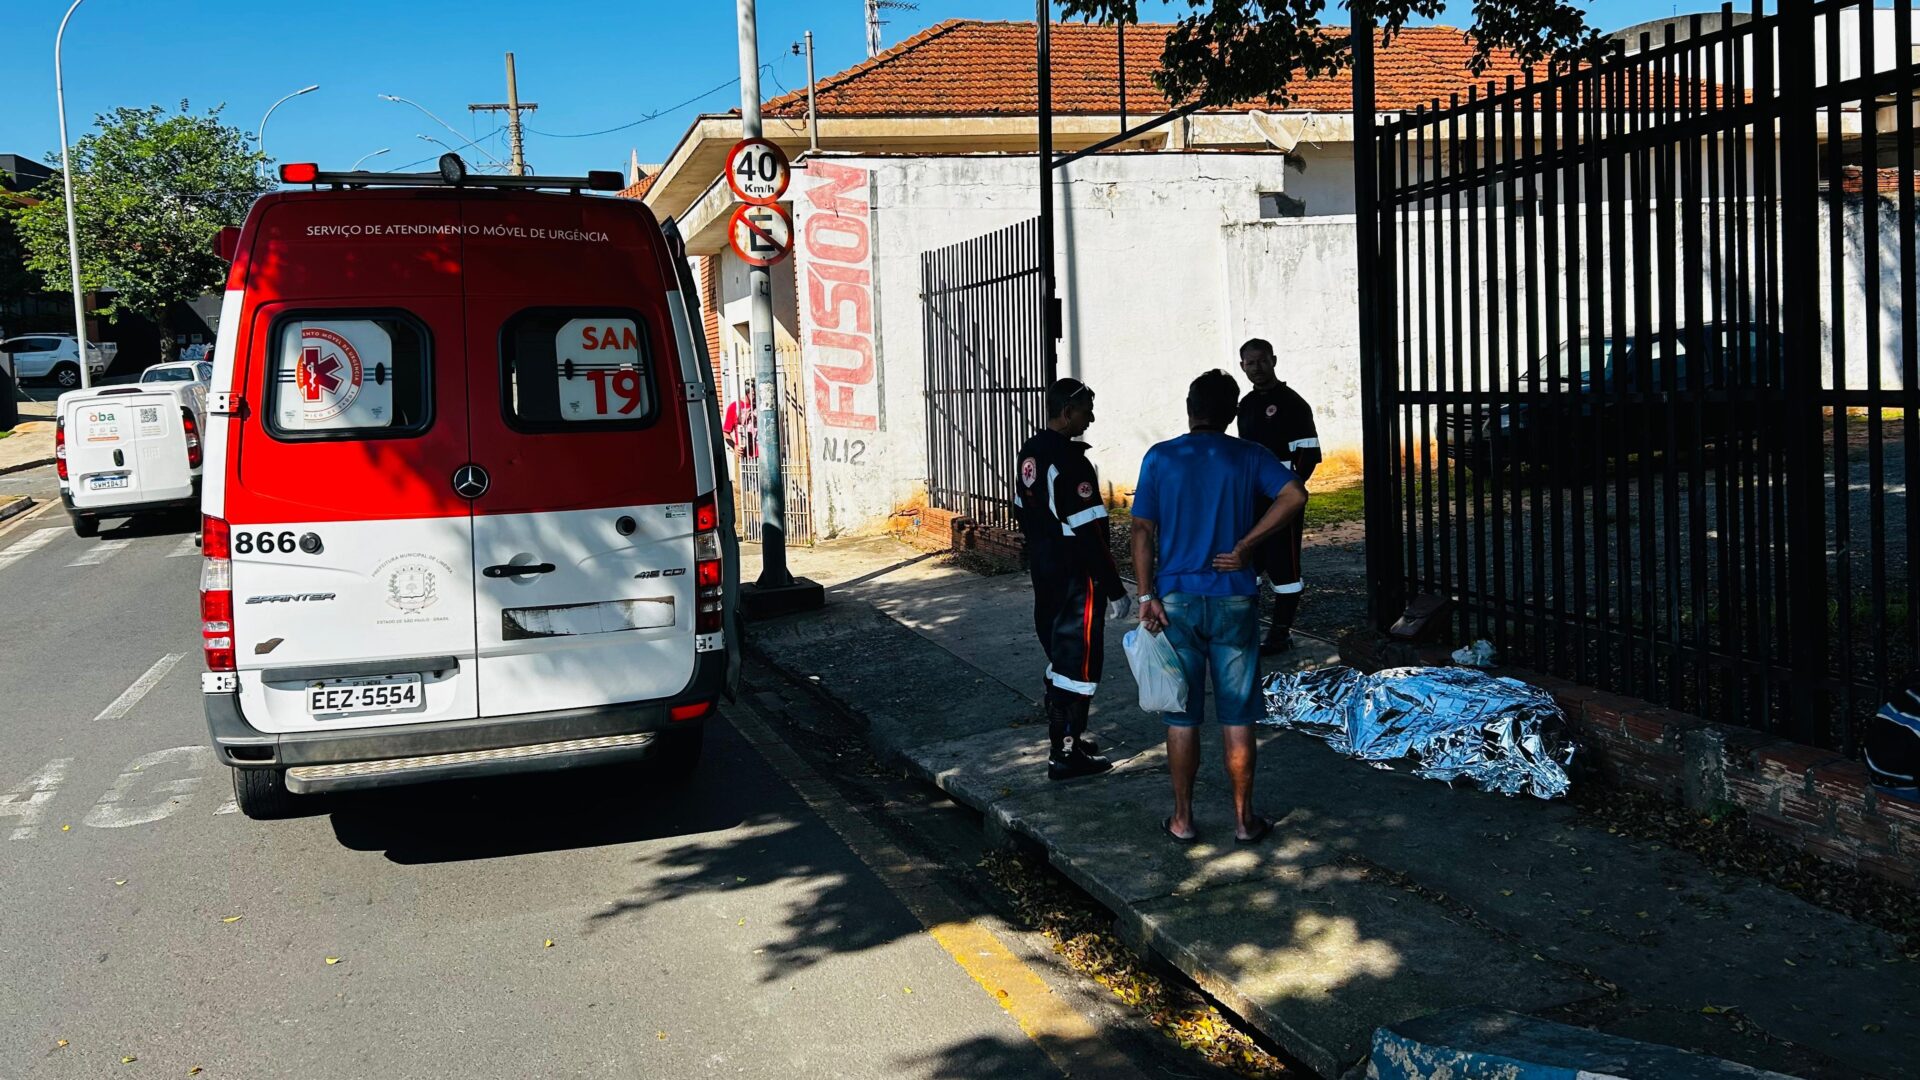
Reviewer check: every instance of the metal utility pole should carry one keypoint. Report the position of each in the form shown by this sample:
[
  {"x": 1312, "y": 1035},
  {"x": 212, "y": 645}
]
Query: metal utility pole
[
  {"x": 1049, "y": 303},
  {"x": 73, "y": 230},
  {"x": 813, "y": 118},
  {"x": 773, "y": 488},
  {"x": 513, "y": 107}
]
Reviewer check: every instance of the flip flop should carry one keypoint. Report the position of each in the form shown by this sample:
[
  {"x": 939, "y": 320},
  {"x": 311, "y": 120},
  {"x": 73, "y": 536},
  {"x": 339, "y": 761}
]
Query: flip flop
[
  {"x": 1166, "y": 826},
  {"x": 1260, "y": 833}
]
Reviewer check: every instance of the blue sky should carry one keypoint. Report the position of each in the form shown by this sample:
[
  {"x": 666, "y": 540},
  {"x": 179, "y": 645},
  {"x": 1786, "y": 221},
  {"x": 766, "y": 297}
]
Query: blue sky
[{"x": 590, "y": 67}]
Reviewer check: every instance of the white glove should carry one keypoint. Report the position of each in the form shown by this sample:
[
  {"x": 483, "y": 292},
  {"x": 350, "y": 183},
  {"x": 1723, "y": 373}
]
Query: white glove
[{"x": 1120, "y": 608}]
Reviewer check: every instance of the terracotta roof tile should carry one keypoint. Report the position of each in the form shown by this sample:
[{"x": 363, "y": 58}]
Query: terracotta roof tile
[
  {"x": 969, "y": 68},
  {"x": 639, "y": 190}
]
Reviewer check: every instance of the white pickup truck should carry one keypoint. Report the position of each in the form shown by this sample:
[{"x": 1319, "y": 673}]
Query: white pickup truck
[{"x": 126, "y": 450}]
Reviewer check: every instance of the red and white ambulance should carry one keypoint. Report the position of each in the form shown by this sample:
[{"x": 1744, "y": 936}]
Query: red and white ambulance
[{"x": 464, "y": 508}]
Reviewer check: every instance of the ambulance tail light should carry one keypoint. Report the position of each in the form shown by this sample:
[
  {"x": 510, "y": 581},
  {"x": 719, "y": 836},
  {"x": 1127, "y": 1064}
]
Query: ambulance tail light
[
  {"x": 60, "y": 447},
  {"x": 710, "y": 587},
  {"x": 193, "y": 437},
  {"x": 216, "y": 594},
  {"x": 692, "y": 710}
]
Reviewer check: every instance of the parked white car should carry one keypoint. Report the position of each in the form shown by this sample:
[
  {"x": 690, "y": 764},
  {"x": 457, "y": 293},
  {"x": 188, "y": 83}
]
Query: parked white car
[
  {"x": 180, "y": 371},
  {"x": 53, "y": 358}
]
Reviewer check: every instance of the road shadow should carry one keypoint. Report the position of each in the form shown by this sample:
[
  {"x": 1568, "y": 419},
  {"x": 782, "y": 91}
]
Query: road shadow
[
  {"x": 141, "y": 526},
  {"x": 460, "y": 821}
]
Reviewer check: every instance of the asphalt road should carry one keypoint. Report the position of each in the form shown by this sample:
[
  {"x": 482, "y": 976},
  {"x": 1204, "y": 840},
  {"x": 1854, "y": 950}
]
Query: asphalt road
[{"x": 717, "y": 927}]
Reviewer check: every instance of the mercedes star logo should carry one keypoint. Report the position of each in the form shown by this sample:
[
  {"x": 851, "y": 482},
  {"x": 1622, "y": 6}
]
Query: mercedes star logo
[{"x": 470, "y": 481}]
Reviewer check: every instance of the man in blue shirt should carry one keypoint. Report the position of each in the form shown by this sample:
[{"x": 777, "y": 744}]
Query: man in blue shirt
[{"x": 1194, "y": 539}]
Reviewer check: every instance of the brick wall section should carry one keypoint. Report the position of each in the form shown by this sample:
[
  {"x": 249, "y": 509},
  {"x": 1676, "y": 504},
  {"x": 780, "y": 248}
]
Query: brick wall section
[
  {"x": 1814, "y": 798},
  {"x": 1853, "y": 180},
  {"x": 944, "y": 530},
  {"x": 710, "y": 311}
]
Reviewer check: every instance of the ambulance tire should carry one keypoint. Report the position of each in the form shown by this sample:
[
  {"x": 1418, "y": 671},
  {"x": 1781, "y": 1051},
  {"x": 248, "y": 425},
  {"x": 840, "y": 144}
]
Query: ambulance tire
[
  {"x": 677, "y": 753},
  {"x": 86, "y": 527},
  {"x": 262, "y": 794}
]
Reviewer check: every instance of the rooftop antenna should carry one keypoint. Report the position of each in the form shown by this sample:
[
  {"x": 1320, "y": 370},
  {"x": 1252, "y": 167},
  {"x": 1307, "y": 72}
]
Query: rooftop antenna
[{"x": 875, "y": 22}]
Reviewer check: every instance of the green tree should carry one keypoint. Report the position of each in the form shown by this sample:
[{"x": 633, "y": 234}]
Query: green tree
[
  {"x": 1223, "y": 52},
  {"x": 151, "y": 191}
]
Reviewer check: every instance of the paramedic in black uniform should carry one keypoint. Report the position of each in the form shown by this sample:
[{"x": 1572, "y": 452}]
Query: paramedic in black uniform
[
  {"x": 1277, "y": 418},
  {"x": 1076, "y": 586}
]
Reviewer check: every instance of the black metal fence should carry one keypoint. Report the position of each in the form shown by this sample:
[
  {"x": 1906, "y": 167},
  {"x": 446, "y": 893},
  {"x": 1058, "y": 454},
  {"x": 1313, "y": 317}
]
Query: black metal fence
[
  {"x": 1645, "y": 358},
  {"x": 986, "y": 367},
  {"x": 796, "y": 465}
]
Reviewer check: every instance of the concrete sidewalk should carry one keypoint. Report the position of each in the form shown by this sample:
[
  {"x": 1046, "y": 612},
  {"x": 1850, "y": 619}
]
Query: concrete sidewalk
[
  {"x": 1380, "y": 898},
  {"x": 30, "y": 443}
]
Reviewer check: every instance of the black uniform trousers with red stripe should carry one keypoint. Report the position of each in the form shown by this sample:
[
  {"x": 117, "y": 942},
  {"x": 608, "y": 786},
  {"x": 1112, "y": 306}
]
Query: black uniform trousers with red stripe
[{"x": 1070, "y": 619}]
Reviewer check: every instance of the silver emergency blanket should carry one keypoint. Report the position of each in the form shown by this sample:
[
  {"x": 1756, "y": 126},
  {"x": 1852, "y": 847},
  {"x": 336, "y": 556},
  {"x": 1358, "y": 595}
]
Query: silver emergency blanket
[{"x": 1449, "y": 723}]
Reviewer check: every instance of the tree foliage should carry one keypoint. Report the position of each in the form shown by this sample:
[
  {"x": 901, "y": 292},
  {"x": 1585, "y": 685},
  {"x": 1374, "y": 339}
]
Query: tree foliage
[
  {"x": 1224, "y": 52},
  {"x": 151, "y": 191}
]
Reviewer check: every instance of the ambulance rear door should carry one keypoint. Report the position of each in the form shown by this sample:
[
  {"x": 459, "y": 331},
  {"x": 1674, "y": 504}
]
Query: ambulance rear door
[
  {"x": 584, "y": 552},
  {"x": 352, "y": 548}
]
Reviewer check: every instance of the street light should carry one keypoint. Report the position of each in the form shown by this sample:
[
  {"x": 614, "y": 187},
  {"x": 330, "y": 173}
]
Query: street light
[
  {"x": 456, "y": 131},
  {"x": 363, "y": 157},
  {"x": 73, "y": 229},
  {"x": 260, "y": 134}
]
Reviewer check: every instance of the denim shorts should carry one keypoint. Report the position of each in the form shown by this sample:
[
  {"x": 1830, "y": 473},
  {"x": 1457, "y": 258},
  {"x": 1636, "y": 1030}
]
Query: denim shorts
[{"x": 1218, "y": 634}]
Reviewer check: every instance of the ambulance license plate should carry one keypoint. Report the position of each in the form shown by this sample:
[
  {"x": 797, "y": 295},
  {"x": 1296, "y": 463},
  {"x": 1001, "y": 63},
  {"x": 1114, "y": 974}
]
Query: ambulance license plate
[
  {"x": 364, "y": 694},
  {"x": 105, "y": 483}
]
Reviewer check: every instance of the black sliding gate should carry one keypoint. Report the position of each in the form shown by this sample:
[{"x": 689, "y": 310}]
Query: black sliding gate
[
  {"x": 1644, "y": 366},
  {"x": 986, "y": 367}
]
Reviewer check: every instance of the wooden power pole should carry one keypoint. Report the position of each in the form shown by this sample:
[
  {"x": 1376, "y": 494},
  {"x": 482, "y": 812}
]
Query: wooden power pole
[{"x": 513, "y": 107}]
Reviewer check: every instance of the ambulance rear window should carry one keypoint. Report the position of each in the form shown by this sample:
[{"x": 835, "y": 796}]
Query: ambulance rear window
[
  {"x": 571, "y": 369},
  {"x": 334, "y": 375}
]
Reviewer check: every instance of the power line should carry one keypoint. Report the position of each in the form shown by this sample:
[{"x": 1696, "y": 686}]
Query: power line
[{"x": 650, "y": 116}]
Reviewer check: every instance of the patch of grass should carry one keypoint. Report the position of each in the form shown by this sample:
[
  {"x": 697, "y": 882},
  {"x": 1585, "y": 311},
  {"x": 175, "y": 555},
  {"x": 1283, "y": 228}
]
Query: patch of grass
[{"x": 1335, "y": 506}]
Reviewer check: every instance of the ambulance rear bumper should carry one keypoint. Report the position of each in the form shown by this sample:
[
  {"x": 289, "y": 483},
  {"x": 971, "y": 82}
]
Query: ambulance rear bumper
[{"x": 497, "y": 745}]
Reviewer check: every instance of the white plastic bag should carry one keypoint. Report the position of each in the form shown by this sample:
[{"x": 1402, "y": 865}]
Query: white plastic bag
[{"x": 1156, "y": 667}]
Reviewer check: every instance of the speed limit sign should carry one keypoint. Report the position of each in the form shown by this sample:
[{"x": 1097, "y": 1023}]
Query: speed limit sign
[{"x": 757, "y": 171}]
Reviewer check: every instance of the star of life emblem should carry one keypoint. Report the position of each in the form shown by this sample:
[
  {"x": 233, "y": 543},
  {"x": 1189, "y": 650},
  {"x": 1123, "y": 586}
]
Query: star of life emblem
[
  {"x": 1272, "y": 409},
  {"x": 328, "y": 374},
  {"x": 1086, "y": 489},
  {"x": 1029, "y": 472}
]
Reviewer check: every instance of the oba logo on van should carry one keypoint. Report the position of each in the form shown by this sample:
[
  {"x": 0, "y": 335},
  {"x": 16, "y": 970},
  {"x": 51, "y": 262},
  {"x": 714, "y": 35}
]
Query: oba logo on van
[{"x": 328, "y": 374}]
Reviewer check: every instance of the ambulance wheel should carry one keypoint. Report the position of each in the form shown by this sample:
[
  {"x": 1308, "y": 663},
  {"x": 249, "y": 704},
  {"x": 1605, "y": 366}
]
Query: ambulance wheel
[
  {"x": 262, "y": 793},
  {"x": 67, "y": 376},
  {"x": 86, "y": 527},
  {"x": 677, "y": 753}
]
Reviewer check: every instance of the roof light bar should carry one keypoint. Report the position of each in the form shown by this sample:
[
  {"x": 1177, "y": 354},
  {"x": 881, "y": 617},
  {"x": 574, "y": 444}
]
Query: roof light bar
[{"x": 451, "y": 172}]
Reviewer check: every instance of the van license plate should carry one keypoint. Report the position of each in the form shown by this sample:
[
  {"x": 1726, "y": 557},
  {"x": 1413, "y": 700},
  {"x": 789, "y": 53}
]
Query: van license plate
[
  {"x": 364, "y": 694},
  {"x": 106, "y": 483}
]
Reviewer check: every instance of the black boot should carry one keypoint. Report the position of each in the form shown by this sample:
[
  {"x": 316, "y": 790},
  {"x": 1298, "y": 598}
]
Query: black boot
[
  {"x": 1068, "y": 758},
  {"x": 1280, "y": 630},
  {"x": 1048, "y": 692}
]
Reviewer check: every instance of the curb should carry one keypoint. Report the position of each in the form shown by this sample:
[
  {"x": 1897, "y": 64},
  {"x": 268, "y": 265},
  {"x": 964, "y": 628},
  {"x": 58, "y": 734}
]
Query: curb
[
  {"x": 16, "y": 507},
  {"x": 25, "y": 465}
]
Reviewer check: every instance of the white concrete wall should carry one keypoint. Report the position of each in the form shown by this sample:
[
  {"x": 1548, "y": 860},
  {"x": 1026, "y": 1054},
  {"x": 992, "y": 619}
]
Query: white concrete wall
[
  {"x": 1295, "y": 282},
  {"x": 1144, "y": 248}
]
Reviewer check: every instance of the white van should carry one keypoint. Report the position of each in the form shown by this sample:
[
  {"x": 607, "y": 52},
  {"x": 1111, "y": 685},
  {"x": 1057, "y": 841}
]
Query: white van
[
  {"x": 463, "y": 512},
  {"x": 126, "y": 450}
]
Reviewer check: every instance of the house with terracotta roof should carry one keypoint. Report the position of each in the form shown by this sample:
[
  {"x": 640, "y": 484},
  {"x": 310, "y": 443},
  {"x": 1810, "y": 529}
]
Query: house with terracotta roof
[{"x": 1172, "y": 247}]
